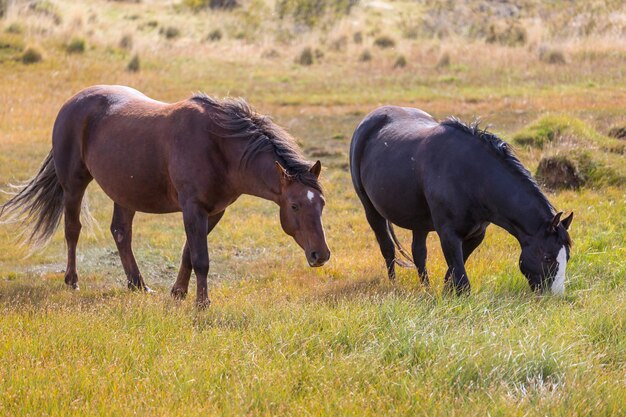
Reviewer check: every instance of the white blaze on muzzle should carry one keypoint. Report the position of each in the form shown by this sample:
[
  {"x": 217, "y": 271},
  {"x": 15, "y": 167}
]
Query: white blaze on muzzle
[{"x": 558, "y": 286}]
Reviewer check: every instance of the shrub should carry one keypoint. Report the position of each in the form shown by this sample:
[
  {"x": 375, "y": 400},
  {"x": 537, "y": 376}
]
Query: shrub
[
  {"x": 551, "y": 56},
  {"x": 365, "y": 56},
  {"x": 444, "y": 60},
  {"x": 305, "y": 57},
  {"x": 215, "y": 35},
  {"x": 311, "y": 13},
  {"x": 31, "y": 55},
  {"x": 15, "y": 28},
  {"x": 75, "y": 46},
  {"x": 357, "y": 38},
  {"x": 4, "y": 6},
  {"x": 339, "y": 44},
  {"x": 617, "y": 132},
  {"x": 400, "y": 62},
  {"x": 126, "y": 41},
  {"x": 270, "y": 53},
  {"x": 197, "y": 5},
  {"x": 170, "y": 32},
  {"x": 384, "y": 41},
  {"x": 513, "y": 34},
  {"x": 133, "y": 64},
  {"x": 46, "y": 8}
]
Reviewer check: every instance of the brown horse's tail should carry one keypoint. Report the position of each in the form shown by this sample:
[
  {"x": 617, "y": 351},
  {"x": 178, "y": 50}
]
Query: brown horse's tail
[
  {"x": 401, "y": 249},
  {"x": 36, "y": 204}
]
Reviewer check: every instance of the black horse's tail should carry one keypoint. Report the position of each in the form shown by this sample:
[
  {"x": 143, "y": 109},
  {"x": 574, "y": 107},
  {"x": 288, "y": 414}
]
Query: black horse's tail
[
  {"x": 409, "y": 261},
  {"x": 36, "y": 204},
  {"x": 356, "y": 150}
]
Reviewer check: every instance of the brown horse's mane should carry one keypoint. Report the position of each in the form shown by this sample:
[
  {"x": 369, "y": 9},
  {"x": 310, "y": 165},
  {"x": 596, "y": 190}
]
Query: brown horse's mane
[
  {"x": 237, "y": 119},
  {"x": 503, "y": 150}
]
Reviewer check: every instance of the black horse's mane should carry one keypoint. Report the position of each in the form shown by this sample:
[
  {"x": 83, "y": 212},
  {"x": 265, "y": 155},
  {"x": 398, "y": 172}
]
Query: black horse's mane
[
  {"x": 502, "y": 149},
  {"x": 237, "y": 119}
]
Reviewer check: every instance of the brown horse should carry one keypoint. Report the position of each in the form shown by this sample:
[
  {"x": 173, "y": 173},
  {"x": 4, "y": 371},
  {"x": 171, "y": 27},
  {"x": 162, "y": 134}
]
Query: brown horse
[{"x": 196, "y": 156}]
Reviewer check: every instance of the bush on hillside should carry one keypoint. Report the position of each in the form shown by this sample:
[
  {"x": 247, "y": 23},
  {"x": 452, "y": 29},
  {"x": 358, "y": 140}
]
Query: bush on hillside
[
  {"x": 215, "y": 35},
  {"x": 551, "y": 55},
  {"x": 75, "y": 46},
  {"x": 126, "y": 42},
  {"x": 365, "y": 56},
  {"x": 400, "y": 62},
  {"x": 617, "y": 132},
  {"x": 311, "y": 13},
  {"x": 305, "y": 57},
  {"x": 133, "y": 65},
  {"x": 197, "y": 5},
  {"x": 4, "y": 6},
  {"x": 384, "y": 41},
  {"x": 31, "y": 55}
]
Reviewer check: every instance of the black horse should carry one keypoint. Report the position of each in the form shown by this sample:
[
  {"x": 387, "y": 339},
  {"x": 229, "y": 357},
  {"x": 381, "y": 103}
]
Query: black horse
[{"x": 422, "y": 175}]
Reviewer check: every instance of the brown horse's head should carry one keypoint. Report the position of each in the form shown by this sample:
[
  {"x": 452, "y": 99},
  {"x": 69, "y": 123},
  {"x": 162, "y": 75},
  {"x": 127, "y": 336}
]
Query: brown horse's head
[{"x": 301, "y": 214}]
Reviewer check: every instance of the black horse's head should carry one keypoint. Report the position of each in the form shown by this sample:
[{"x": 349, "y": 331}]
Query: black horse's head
[{"x": 544, "y": 256}]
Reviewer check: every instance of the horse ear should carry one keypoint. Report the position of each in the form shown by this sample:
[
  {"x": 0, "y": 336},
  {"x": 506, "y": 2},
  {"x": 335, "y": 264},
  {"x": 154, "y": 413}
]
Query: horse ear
[
  {"x": 566, "y": 222},
  {"x": 555, "y": 221},
  {"x": 316, "y": 169},
  {"x": 282, "y": 172}
]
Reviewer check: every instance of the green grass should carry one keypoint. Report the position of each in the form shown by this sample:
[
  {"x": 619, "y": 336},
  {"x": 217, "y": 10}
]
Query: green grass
[{"x": 281, "y": 338}]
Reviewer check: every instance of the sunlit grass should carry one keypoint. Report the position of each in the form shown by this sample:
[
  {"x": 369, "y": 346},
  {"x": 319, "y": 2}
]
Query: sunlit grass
[{"x": 281, "y": 338}]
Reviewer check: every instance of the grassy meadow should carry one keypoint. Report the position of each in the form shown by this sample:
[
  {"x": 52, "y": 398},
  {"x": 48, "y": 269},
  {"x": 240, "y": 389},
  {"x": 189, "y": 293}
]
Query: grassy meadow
[{"x": 281, "y": 338}]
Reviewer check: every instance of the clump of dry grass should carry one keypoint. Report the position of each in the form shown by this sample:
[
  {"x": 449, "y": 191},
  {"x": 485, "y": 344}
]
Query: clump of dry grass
[
  {"x": 384, "y": 42},
  {"x": 617, "y": 132},
  {"x": 551, "y": 55},
  {"x": 357, "y": 38},
  {"x": 134, "y": 65},
  {"x": 444, "y": 60},
  {"x": 31, "y": 55},
  {"x": 75, "y": 46},
  {"x": 170, "y": 32},
  {"x": 215, "y": 35},
  {"x": 510, "y": 34},
  {"x": 365, "y": 56},
  {"x": 305, "y": 57},
  {"x": 126, "y": 41},
  {"x": 400, "y": 62}
]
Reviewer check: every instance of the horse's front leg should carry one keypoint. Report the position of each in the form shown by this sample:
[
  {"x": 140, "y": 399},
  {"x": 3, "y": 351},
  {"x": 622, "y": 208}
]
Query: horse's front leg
[
  {"x": 181, "y": 286},
  {"x": 196, "y": 226},
  {"x": 452, "y": 246}
]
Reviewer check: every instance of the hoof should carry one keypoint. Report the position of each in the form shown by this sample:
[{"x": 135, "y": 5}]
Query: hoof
[
  {"x": 203, "y": 304},
  {"x": 139, "y": 286},
  {"x": 178, "y": 293},
  {"x": 72, "y": 282}
]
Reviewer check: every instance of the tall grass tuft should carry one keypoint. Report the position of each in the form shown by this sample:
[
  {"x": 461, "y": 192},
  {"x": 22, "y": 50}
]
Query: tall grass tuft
[
  {"x": 75, "y": 46},
  {"x": 31, "y": 55},
  {"x": 134, "y": 65}
]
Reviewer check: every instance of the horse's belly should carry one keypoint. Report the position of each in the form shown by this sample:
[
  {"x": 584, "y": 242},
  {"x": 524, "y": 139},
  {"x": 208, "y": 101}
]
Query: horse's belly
[
  {"x": 400, "y": 201},
  {"x": 136, "y": 182}
]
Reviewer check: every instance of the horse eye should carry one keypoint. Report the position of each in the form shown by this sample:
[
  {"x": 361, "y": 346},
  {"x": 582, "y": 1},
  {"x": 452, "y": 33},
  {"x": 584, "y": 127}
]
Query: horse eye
[
  {"x": 548, "y": 258},
  {"x": 294, "y": 207}
]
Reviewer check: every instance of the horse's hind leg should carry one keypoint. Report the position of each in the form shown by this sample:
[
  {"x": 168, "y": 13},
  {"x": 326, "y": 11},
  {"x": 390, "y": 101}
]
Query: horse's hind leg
[
  {"x": 387, "y": 248},
  {"x": 181, "y": 286},
  {"x": 419, "y": 254},
  {"x": 74, "y": 185},
  {"x": 122, "y": 231}
]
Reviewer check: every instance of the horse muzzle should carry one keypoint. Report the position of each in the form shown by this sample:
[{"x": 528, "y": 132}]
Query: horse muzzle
[{"x": 317, "y": 258}]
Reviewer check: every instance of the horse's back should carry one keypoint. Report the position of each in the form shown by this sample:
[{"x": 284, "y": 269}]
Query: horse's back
[
  {"x": 385, "y": 162},
  {"x": 123, "y": 139}
]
